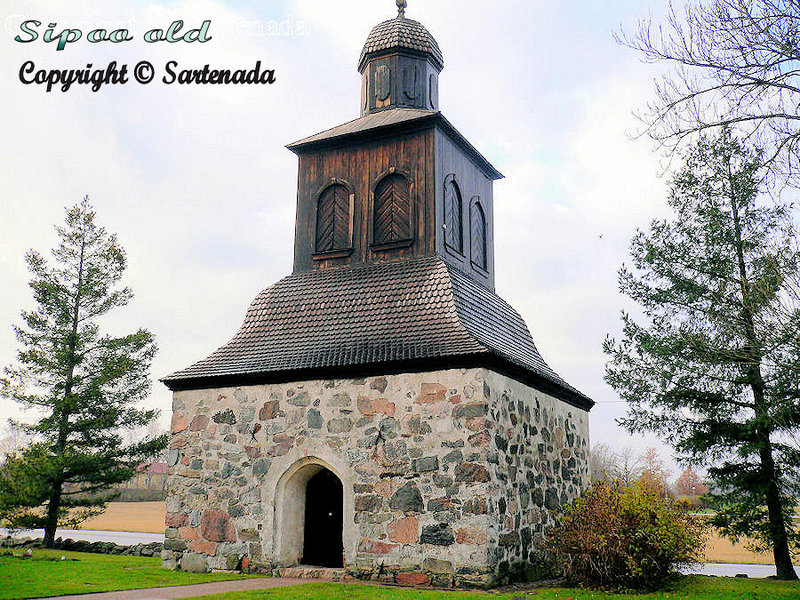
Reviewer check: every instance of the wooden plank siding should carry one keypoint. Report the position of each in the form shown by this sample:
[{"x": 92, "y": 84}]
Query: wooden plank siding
[
  {"x": 362, "y": 165},
  {"x": 451, "y": 160},
  {"x": 429, "y": 157}
]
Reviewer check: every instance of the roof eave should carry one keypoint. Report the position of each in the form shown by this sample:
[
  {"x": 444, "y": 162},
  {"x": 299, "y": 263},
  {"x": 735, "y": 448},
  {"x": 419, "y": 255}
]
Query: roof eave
[
  {"x": 403, "y": 126},
  {"x": 488, "y": 360},
  {"x": 471, "y": 150},
  {"x": 435, "y": 118},
  {"x": 366, "y": 57}
]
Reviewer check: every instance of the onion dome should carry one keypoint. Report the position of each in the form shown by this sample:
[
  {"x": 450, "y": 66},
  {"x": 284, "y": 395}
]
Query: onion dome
[{"x": 401, "y": 34}]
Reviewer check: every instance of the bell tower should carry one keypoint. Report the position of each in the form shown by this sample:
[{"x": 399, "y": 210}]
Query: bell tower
[
  {"x": 381, "y": 409},
  {"x": 399, "y": 182}
]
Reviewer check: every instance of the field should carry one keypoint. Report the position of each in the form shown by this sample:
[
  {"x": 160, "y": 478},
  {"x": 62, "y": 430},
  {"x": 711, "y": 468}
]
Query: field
[
  {"x": 149, "y": 517},
  {"x": 721, "y": 550},
  {"x": 45, "y": 574}
]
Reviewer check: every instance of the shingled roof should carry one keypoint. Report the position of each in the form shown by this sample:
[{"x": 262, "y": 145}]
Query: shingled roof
[
  {"x": 400, "y": 33},
  {"x": 400, "y": 316},
  {"x": 391, "y": 121},
  {"x": 367, "y": 123}
]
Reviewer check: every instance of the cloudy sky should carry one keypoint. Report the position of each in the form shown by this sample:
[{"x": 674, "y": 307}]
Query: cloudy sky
[{"x": 198, "y": 185}]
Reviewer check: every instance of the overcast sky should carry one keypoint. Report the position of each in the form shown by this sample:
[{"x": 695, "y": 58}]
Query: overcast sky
[{"x": 201, "y": 191}]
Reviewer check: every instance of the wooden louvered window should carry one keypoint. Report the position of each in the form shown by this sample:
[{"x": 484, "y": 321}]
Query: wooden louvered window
[
  {"x": 478, "y": 253},
  {"x": 453, "y": 220},
  {"x": 334, "y": 220},
  {"x": 392, "y": 211}
]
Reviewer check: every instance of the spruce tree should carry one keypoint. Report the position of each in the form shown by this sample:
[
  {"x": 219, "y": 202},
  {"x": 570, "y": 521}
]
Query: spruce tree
[
  {"x": 84, "y": 385},
  {"x": 712, "y": 364}
]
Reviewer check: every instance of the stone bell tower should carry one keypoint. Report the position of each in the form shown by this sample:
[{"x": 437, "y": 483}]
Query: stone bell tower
[{"x": 381, "y": 410}]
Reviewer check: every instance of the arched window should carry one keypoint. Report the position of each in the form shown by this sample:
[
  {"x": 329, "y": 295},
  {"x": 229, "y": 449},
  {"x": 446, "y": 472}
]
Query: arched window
[
  {"x": 392, "y": 210},
  {"x": 454, "y": 230},
  {"x": 334, "y": 223},
  {"x": 478, "y": 235}
]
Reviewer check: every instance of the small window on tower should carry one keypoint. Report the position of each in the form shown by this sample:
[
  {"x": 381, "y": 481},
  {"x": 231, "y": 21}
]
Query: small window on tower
[
  {"x": 392, "y": 210},
  {"x": 478, "y": 252},
  {"x": 334, "y": 219},
  {"x": 453, "y": 220}
]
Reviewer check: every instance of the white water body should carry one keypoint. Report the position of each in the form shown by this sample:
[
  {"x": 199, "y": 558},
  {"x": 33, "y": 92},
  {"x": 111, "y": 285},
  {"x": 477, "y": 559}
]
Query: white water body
[
  {"x": 732, "y": 569},
  {"x": 124, "y": 538}
]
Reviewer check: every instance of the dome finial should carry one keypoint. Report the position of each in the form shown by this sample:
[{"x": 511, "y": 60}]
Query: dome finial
[{"x": 401, "y": 8}]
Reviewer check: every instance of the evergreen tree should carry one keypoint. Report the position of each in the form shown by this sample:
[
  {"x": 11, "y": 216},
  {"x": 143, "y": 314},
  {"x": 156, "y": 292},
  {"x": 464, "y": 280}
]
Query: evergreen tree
[
  {"x": 714, "y": 364},
  {"x": 85, "y": 385}
]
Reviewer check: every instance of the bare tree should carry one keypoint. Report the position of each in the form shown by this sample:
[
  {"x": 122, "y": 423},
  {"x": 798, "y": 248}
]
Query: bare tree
[
  {"x": 12, "y": 438},
  {"x": 689, "y": 485},
  {"x": 630, "y": 465},
  {"x": 653, "y": 465},
  {"x": 603, "y": 463},
  {"x": 607, "y": 464},
  {"x": 653, "y": 469},
  {"x": 737, "y": 63}
]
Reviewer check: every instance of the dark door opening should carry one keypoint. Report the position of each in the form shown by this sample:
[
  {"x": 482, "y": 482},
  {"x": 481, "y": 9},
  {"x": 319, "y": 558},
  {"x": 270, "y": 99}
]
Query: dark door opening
[{"x": 322, "y": 535}]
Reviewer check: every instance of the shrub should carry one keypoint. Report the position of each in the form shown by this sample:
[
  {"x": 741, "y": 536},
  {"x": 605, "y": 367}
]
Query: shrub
[{"x": 624, "y": 537}]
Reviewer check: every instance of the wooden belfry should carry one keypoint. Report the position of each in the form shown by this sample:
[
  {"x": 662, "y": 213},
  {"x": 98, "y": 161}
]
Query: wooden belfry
[
  {"x": 385, "y": 361},
  {"x": 400, "y": 181}
]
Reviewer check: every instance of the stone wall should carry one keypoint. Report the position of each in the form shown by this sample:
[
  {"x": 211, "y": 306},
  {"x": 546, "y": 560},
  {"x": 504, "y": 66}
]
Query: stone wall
[
  {"x": 448, "y": 476},
  {"x": 538, "y": 460}
]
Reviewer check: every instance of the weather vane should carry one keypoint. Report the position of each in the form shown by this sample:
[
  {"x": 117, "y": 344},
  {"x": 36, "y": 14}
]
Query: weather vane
[{"x": 401, "y": 7}]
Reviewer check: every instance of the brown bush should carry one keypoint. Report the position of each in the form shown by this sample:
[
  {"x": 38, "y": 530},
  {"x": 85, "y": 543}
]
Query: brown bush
[{"x": 624, "y": 537}]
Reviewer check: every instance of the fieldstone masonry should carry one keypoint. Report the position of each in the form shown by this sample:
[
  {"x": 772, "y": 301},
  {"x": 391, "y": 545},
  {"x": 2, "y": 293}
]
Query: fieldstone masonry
[{"x": 450, "y": 477}]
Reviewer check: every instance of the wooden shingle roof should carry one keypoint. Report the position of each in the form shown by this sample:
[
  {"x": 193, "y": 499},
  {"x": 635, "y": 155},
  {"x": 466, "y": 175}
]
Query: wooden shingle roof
[
  {"x": 367, "y": 123},
  {"x": 402, "y": 316},
  {"x": 400, "y": 33}
]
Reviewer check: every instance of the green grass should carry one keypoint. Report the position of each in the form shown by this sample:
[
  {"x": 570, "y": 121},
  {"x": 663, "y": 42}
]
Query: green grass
[
  {"x": 82, "y": 573},
  {"x": 688, "y": 588}
]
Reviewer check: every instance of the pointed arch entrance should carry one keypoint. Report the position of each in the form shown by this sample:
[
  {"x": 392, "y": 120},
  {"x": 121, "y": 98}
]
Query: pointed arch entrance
[{"x": 309, "y": 511}]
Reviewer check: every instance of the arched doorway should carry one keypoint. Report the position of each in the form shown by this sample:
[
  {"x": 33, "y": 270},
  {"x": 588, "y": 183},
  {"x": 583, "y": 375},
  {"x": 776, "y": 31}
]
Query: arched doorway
[
  {"x": 309, "y": 524},
  {"x": 322, "y": 531}
]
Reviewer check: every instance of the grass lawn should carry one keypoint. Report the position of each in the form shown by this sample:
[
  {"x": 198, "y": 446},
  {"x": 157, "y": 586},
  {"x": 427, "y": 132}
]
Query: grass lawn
[
  {"x": 694, "y": 588},
  {"x": 81, "y": 573}
]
